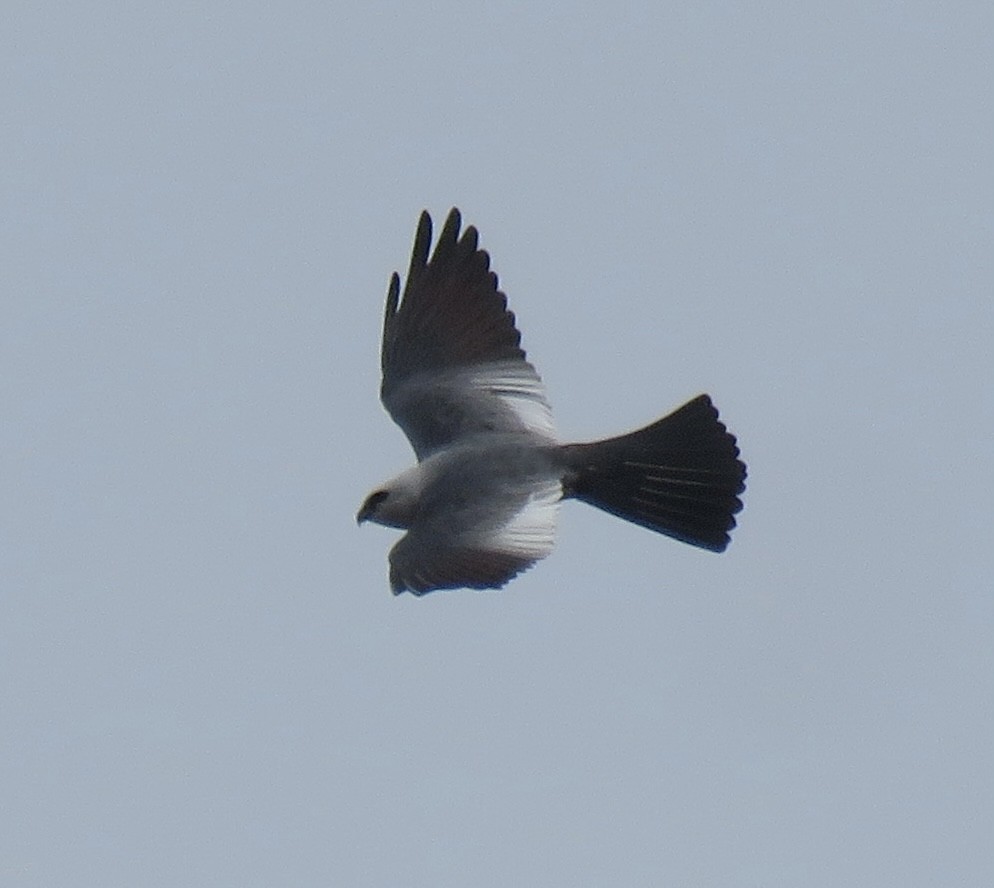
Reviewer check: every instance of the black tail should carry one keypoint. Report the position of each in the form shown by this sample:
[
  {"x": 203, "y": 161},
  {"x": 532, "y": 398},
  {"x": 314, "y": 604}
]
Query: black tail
[{"x": 680, "y": 476}]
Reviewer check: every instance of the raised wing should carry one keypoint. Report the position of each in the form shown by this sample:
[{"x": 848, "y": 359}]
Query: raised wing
[{"x": 451, "y": 358}]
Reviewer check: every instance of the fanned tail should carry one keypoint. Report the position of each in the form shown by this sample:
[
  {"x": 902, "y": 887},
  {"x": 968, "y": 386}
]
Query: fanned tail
[{"x": 680, "y": 476}]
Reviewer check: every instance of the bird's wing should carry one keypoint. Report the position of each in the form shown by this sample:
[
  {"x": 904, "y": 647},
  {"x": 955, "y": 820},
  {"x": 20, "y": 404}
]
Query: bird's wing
[
  {"x": 485, "y": 555},
  {"x": 452, "y": 363}
]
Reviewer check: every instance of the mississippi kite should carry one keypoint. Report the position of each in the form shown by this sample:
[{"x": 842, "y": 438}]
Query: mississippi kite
[{"x": 480, "y": 506}]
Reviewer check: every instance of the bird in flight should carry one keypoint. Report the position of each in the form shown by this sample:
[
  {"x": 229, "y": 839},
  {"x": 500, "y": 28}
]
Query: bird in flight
[{"x": 481, "y": 503}]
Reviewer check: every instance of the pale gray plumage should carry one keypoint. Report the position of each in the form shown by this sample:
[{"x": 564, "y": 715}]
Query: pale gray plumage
[{"x": 480, "y": 506}]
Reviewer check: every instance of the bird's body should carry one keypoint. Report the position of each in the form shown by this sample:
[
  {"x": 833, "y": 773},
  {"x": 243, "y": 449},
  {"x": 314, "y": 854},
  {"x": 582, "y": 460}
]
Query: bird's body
[
  {"x": 468, "y": 480},
  {"x": 480, "y": 506}
]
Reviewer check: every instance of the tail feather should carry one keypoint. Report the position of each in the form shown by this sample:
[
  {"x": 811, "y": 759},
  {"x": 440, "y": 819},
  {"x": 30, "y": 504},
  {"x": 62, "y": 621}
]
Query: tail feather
[{"x": 680, "y": 476}]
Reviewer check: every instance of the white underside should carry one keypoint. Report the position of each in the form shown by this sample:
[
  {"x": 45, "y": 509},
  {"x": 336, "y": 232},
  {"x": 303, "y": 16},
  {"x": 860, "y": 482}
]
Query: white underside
[{"x": 531, "y": 533}]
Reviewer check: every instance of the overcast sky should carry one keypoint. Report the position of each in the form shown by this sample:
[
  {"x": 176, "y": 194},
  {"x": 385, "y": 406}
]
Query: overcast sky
[{"x": 204, "y": 678}]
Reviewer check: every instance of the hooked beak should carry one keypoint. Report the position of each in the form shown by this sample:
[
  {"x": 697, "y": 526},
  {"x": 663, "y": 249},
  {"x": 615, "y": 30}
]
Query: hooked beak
[{"x": 367, "y": 510}]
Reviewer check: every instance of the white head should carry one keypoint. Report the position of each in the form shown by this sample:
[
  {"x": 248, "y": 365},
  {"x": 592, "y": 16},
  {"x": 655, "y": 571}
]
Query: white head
[{"x": 393, "y": 504}]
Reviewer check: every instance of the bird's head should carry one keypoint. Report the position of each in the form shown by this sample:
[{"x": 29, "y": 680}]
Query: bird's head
[
  {"x": 368, "y": 510},
  {"x": 393, "y": 504}
]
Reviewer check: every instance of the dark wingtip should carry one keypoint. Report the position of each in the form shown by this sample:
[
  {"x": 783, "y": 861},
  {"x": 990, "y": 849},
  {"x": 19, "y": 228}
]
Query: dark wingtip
[
  {"x": 424, "y": 229},
  {"x": 393, "y": 295},
  {"x": 470, "y": 240},
  {"x": 450, "y": 231},
  {"x": 393, "y": 299},
  {"x": 422, "y": 243}
]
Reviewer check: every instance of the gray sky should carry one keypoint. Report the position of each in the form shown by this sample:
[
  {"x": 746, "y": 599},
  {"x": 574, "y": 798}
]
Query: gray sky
[{"x": 204, "y": 679}]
